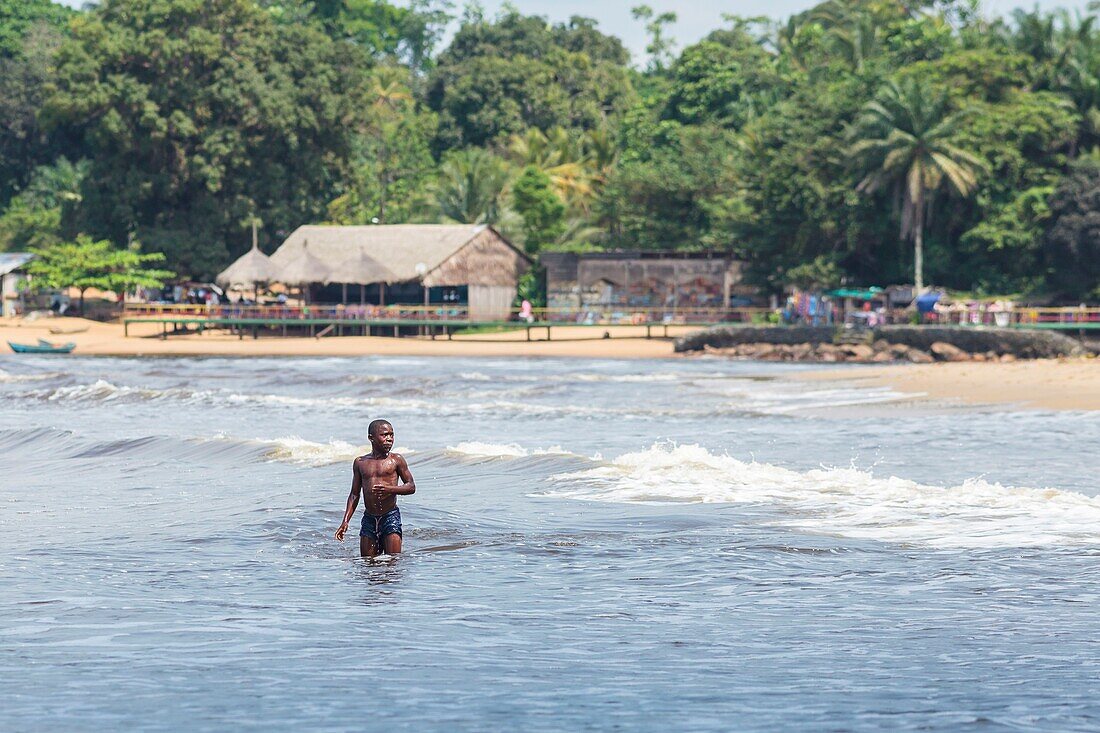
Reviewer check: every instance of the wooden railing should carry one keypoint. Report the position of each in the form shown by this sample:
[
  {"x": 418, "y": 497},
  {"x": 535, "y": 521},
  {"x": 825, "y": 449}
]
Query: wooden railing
[
  {"x": 1063, "y": 318},
  {"x": 359, "y": 313},
  {"x": 1020, "y": 317}
]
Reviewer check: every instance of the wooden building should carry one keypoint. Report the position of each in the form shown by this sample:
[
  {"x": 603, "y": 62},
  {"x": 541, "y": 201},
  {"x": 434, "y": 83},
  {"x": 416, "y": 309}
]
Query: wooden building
[
  {"x": 641, "y": 279},
  {"x": 391, "y": 264},
  {"x": 12, "y": 275}
]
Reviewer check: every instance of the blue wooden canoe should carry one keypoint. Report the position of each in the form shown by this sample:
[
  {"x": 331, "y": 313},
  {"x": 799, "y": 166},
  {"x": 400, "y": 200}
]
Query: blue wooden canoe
[{"x": 42, "y": 347}]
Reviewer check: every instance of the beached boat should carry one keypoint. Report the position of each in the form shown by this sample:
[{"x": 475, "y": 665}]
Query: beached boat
[{"x": 42, "y": 347}]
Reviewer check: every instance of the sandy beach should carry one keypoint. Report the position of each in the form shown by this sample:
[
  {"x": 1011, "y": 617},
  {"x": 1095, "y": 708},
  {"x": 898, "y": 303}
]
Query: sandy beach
[
  {"x": 107, "y": 339},
  {"x": 1072, "y": 384},
  {"x": 1064, "y": 385}
]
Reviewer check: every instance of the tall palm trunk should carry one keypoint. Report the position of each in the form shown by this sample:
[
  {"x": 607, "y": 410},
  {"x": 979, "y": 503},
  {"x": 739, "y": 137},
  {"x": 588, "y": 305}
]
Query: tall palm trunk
[
  {"x": 385, "y": 179},
  {"x": 919, "y": 208},
  {"x": 918, "y": 258}
]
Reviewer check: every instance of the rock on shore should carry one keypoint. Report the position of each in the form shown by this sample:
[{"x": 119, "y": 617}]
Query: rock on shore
[{"x": 914, "y": 344}]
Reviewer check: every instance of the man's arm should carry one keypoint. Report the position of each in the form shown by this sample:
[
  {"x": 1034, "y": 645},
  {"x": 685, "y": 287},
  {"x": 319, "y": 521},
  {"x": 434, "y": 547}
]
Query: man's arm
[
  {"x": 407, "y": 486},
  {"x": 353, "y": 499}
]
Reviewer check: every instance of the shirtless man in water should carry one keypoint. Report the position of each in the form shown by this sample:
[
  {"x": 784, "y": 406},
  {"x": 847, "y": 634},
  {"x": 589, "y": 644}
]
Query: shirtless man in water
[{"x": 379, "y": 470}]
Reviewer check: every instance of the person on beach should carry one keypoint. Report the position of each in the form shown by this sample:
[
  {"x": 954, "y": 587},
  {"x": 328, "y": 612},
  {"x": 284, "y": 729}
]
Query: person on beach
[{"x": 378, "y": 472}]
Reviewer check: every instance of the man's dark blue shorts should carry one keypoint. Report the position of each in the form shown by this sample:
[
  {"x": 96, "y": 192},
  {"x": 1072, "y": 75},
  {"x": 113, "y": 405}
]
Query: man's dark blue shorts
[{"x": 378, "y": 527}]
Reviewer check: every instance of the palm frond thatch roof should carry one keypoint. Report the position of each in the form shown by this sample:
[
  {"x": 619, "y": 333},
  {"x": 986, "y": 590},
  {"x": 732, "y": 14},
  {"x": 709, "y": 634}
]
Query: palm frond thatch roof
[
  {"x": 363, "y": 255},
  {"x": 251, "y": 267},
  {"x": 302, "y": 267}
]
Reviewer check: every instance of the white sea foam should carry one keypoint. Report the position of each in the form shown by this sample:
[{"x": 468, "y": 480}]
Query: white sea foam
[
  {"x": 104, "y": 391},
  {"x": 7, "y": 377},
  {"x": 623, "y": 378},
  {"x": 293, "y": 449},
  {"x": 846, "y": 501},
  {"x": 780, "y": 397},
  {"x": 476, "y": 449}
]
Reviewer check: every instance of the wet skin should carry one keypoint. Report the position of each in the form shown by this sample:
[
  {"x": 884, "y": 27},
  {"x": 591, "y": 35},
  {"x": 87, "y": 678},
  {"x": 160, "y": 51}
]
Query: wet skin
[{"x": 381, "y": 471}]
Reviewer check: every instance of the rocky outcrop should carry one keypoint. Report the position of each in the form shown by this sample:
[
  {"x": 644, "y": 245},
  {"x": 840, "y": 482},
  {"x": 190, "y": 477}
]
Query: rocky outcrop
[
  {"x": 728, "y": 336},
  {"x": 915, "y": 344},
  {"x": 1023, "y": 343}
]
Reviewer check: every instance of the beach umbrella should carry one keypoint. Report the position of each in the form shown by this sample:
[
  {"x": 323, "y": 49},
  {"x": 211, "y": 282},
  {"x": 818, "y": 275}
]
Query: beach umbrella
[
  {"x": 250, "y": 268},
  {"x": 303, "y": 270}
]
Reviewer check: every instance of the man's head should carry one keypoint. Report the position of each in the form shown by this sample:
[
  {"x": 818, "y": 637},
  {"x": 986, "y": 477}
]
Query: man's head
[{"x": 380, "y": 433}]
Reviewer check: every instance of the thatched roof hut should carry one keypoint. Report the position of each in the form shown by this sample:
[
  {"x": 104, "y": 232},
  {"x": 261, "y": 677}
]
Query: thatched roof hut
[
  {"x": 407, "y": 252},
  {"x": 302, "y": 267},
  {"x": 474, "y": 259},
  {"x": 250, "y": 268}
]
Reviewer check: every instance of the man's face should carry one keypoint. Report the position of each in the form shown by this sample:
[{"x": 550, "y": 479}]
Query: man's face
[{"x": 382, "y": 439}]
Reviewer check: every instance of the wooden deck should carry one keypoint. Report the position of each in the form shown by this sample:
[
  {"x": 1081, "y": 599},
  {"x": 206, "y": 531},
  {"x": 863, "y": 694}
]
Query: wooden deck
[{"x": 433, "y": 328}]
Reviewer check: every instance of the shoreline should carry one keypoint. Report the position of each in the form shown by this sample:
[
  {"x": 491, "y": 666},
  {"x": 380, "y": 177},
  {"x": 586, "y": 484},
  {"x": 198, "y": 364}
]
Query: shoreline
[
  {"x": 107, "y": 339},
  {"x": 1050, "y": 384},
  {"x": 1063, "y": 384}
]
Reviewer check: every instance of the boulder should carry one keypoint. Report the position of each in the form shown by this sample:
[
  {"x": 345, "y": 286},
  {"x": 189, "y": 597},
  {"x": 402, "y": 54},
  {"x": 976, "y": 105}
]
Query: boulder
[
  {"x": 918, "y": 357},
  {"x": 802, "y": 352},
  {"x": 948, "y": 352},
  {"x": 859, "y": 352},
  {"x": 883, "y": 357}
]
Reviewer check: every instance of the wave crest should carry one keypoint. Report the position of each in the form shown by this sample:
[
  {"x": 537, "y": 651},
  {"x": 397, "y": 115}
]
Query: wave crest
[
  {"x": 475, "y": 449},
  {"x": 845, "y": 501}
]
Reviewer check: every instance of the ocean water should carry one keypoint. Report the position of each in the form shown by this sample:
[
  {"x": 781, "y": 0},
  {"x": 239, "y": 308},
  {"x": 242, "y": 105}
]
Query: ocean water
[{"x": 695, "y": 545}]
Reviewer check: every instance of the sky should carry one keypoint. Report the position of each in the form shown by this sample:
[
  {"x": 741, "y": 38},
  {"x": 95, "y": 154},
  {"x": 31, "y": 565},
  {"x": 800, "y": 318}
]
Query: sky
[{"x": 695, "y": 18}]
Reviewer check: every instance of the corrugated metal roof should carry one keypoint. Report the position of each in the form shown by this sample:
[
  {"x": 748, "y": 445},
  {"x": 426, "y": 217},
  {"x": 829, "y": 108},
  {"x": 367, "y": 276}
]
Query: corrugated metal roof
[
  {"x": 396, "y": 249},
  {"x": 13, "y": 261}
]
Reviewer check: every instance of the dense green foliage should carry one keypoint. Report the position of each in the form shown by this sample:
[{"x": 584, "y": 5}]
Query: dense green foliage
[
  {"x": 30, "y": 33},
  {"x": 1071, "y": 245},
  {"x": 541, "y": 209},
  {"x": 835, "y": 147},
  {"x": 87, "y": 263},
  {"x": 504, "y": 77}
]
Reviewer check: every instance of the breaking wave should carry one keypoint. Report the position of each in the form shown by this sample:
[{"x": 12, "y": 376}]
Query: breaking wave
[
  {"x": 102, "y": 391},
  {"x": 475, "y": 449},
  {"x": 309, "y": 453},
  {"x": 845, "y": 501},
  {"x": 7, "y": 377}
]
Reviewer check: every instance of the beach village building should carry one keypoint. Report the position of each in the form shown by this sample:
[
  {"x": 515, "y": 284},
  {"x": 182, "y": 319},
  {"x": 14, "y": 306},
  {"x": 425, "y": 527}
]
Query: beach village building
[
  {"x": 12, "y": 275},
  {"x": 466, "y": 265},
  {"x": 645, "y": 279}
]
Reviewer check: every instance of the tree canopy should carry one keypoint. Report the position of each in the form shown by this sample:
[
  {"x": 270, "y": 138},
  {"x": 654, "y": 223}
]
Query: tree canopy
[{"x": 835, "y": 146}]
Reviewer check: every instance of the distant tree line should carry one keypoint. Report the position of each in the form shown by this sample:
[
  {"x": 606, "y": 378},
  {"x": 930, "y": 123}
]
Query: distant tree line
[{"x": 860, "y": 142}]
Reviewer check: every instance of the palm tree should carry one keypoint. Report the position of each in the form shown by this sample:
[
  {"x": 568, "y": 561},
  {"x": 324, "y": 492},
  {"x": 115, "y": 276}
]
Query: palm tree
[
  {"x": 850, "y": 28},
  {"x": 560, "y": 157},
  {"x": 903, "y": 140},
  {"x": 1077, "y": 75},
  {"x": 471, "y": 186},
  {"x": 388, "y": 95}
]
